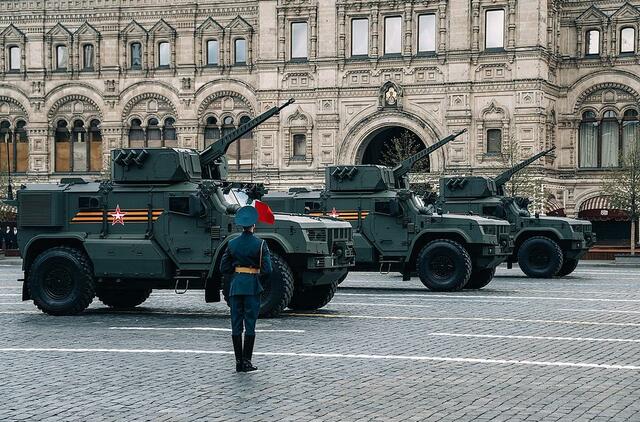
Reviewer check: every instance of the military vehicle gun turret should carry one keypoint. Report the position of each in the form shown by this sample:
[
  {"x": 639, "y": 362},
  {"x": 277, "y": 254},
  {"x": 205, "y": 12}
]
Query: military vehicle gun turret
[
  {"x": 394, "y": 231},
  {"x": 161, "y": 223},
  {"x": 544, "y": 246}
]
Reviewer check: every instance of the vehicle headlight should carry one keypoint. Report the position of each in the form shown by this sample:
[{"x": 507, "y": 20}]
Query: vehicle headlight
[
  {"x": 577, "y": 228},
  {"x": 316, "y": 235},
  {"x": 490, "y": 229}
]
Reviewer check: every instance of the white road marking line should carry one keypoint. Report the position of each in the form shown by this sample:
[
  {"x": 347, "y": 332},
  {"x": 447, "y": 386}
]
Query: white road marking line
[
  {"x": 197, "y": 329},
  {"x": 611, "y": 340},
  {"x": 10, "y": 294},
  {"x": 16, "y": 303},
  {"x": 411, "y": 318},
  {"x": 330, "y": 356},
  {"x": 19, "y": 312},
  {"x": 428, "y": 295},
  {"x": 606, "y": 311},
  {"x": 393, "y": 305}
]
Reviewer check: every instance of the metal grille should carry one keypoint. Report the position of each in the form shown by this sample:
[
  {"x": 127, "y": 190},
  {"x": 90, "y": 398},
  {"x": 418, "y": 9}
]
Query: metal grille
[
  {"x": 317, "y": 235},
  {"x": 35, "y": 209},
  {"x": 216, "y": 232}
]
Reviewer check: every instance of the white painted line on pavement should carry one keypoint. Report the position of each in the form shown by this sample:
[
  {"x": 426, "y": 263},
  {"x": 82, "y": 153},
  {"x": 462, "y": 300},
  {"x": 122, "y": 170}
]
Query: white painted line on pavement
[
  {"x": 477, "y": 296},
  {"x": 19, "y": 312},
  {"x": 606, "y": 311},
  {"x": 197, "y": 329},
  {"x": 16, "y": 303},
  {"x": 610, "y": 340},
  {"x": 330, "y": 356},
  {"x": 10, "y": 294},
  {"x": 411, "y": 318},
  {"x": 392, "y": 305}
]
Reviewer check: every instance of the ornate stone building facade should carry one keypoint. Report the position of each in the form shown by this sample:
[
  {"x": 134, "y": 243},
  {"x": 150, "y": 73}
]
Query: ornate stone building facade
[{"x": 78, "y": 77}]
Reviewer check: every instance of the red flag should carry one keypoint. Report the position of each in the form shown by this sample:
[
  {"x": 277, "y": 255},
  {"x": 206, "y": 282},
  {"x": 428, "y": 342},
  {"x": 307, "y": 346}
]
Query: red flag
[{"x": 264, "y": 213}]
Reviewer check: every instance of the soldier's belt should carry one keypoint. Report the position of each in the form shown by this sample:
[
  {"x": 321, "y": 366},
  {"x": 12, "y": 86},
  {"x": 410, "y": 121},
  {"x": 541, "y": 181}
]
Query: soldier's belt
[{"x": 247, "y": 270}]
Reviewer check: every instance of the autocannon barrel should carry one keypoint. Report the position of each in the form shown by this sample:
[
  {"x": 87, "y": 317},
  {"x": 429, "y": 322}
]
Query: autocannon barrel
[
  {"x": 218, "y": 149},
  {"x": 508, "y": 174}
]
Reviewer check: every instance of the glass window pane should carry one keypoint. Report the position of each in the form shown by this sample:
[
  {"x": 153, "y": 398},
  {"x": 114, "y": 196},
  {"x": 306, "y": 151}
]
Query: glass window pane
[
  {"x": 393, "y": 35},
  {"x": 241, "y": 51},
  {"x": 593, "y": 42},
  {"x": 136, "y": 55},
  {"x": 88, "y": 56},
  {"x": 299, "y": 146},
  {"x": 14, "y": 58},
  {"x": 164, "y": 54},
  {"x": 360, "y": 37},
  {"x": 610, "y": 143},
  {"x": 62, "y": 59},
  {"x": 494, "y": 29},
  {"x": 212, "y": 52},
  {"x": 494, "y": 141},
  {"x": 427, "y": 33},
  {"x": 627, "y": 40},
  {"x": 630, "y": 136},
  {"x": 299, "y": 40}
]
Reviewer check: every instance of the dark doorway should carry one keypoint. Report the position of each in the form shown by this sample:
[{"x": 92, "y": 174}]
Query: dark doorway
[{"x": 390, "y": 145}]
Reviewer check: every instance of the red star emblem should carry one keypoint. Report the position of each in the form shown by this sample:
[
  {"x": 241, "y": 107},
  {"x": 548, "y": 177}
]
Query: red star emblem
[
  {"x": 334, "y": 213},
  {"x": 118, "y": 216}
]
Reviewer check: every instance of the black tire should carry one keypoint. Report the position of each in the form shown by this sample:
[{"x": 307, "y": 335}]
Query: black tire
[
  {"x": 312, "y": 298},
  {"x": 61, "y": 282},
  {"x": 123, "y": 298},
  {"x": 444, "y": 266},
  {"x": 568, "y": 266},
  {"x": 278, "y": 288},
  {"x": 540, "y": 257},
  {"x": 480, "y": 278}
]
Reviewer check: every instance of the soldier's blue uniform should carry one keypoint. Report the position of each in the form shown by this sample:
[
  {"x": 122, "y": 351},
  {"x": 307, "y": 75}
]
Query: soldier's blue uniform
[{"x": 247, "y": 258}]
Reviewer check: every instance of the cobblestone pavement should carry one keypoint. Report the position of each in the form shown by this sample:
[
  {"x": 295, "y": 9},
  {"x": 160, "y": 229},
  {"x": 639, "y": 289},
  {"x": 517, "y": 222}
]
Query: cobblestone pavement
[{"x": 383, "y": 350}]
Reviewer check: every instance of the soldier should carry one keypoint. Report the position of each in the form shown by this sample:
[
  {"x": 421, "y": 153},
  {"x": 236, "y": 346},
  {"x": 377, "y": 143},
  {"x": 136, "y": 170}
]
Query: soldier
[{"x": 247, "y": 259}]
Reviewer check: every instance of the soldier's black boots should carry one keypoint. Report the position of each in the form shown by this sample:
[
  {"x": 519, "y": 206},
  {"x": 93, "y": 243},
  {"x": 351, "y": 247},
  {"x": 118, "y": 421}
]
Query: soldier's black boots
[
  {"x": 237, "y": 349},
  {"x": 247, "y": 352}
]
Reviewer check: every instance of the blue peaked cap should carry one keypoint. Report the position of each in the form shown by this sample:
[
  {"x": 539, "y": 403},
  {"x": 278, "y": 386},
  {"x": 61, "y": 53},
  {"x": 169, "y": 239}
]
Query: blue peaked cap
[{"x": 246, "y": 216}]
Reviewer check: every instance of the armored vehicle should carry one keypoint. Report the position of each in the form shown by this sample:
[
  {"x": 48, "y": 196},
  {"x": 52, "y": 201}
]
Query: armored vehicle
[
  {"x": 544, "y": 246},
  {"x": 159, "y": 223},
  {"x": 393, "y": 230}
]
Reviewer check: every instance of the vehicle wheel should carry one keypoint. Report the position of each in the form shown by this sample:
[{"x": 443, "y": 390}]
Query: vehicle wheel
[
  {"x": 444, "y": 266},
  {"x": 568, "y": 266},
  {"x": 61, "y": 281},
  {"x": 123, "y": 298},
  {"x": 480, "y": 278},
  {"x": 313, "y": 298},
  {"x": 278, "y": 288},
  {"x": 540, "y": 257}
]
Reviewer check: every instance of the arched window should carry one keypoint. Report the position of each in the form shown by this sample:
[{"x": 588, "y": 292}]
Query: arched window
[
  {"x": 14, "y": 58},
  {"x": 169, "y": 135},
  {"x": 212, "y": 52},
  {"x": 164, "y": 54},
  {"x": 21, "y": 147},
  {"x": 588, "y": 140},
  {"x": 6, "y": 146},
  {"x": 87, "y": 57},
  {"x": 610, "y": 133},
  {"x": 136, "y": 134},
  {"x": 62, "y": 138},
  {"x": 136, "y": 56},
  {"x": 592, "y": 42},
  {"x": 95, "y": 146},
  {"x": 627, "y": 40},
  {"x": 240, "y": 51},
  {"x": 79, "y": 146},
  {"x": 211, "y": 131},
  {"x": 62, "y": 57},
  {"x": 154, "y": 133},
  {"x": 630, "y": 130}
]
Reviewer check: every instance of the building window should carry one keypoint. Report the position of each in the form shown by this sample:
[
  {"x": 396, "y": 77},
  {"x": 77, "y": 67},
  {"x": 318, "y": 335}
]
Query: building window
[
  {"x": 136, "y": 134},
  {"x": 393, "y": 35},
  {"x": 169, "y": 135},
  {"x": 14, "y": 147},
  {"x": 14, "y": 58},
  {"x": 360, "y": 37},
  {"x": 494, "y": 29},
  {"x": 299, "y": 40},
  {"x": 87, "y": 57},
  {"x": 154, "y": 133},
  {"x": 211, "y": 131},
  {"x": 627, "y": 40},
  {"x": 63, "y": 151},
  {"x": 212, "y": 52},
  {"x": 240, "y": 51},
  {"x": 95, "y": 146},
  {"x": 593, "y": 42},
  {"x": 299, "y": 147},
  {"x": 136, "y": 56},
  {"x": 494, "y": 141},
  {"x": 79, "y": 146},
  {"x": 164, "y": 54},
  {"x": 600, "y": 141},
  {"x": 427, "y": 33},
  {"x": 630, "y": 131},
  {"x": 62, "y": 58}
]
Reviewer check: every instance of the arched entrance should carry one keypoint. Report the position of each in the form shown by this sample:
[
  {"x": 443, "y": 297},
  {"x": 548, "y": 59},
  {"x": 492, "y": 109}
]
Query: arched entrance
[{"x": 389, "y": 145}]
